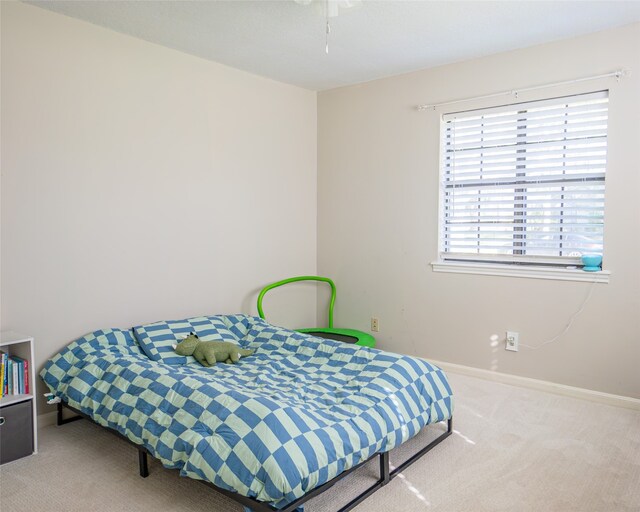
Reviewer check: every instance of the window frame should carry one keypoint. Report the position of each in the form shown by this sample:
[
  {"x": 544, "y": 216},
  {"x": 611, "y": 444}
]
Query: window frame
[{"x": 544, "y": 267}]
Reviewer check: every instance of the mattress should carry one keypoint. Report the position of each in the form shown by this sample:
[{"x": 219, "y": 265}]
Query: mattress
[{"x": 277, "y": 424}]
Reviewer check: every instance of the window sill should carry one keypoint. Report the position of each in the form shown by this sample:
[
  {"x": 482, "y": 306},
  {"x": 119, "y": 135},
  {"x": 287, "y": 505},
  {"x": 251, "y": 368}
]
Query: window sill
[{"x": 497, "y": 269}]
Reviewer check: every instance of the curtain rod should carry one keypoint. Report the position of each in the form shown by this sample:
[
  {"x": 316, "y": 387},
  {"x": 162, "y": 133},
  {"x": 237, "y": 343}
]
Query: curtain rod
[{"x": 620, "y": 73}]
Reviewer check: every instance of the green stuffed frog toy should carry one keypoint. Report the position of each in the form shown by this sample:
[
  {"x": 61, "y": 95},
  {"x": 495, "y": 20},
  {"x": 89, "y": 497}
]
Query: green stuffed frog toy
[{"x": 208, "y": 353}]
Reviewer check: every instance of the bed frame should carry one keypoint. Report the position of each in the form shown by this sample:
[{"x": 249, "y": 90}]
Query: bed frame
[{"x": 386, "y": 474}]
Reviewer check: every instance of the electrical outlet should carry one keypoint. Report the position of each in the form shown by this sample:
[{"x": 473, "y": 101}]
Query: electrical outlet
[
  {"x": 512, "y": 341},
  {"x": 375, "y": 324}
]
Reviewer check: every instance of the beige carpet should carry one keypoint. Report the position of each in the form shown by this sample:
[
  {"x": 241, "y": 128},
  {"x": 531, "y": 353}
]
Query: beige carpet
[{"x": 513, "y": 450}]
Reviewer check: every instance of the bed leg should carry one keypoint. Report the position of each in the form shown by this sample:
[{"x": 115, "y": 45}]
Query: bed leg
[
  {"x": 450, "y": 425},
  {"x": 385, "y": 477},
  {"x": 142, "y": 461},
  {"x": 61, "y": 419}
]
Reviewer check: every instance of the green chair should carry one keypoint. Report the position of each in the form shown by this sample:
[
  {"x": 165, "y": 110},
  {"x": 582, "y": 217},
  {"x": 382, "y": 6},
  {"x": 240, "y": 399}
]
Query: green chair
[{"x": 333, "y": 333}]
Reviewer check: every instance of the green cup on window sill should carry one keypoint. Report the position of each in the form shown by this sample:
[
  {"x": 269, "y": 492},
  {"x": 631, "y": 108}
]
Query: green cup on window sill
[{"x": 592, "y": 262}]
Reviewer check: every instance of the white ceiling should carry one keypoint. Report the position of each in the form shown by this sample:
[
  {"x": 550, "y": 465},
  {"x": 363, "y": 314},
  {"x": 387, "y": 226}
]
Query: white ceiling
[{"x": 284, "y": 40}]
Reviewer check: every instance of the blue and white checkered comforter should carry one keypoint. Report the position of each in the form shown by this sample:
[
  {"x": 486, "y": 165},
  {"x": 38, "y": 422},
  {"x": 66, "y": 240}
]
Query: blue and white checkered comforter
[{"x": 274, "y": 426}]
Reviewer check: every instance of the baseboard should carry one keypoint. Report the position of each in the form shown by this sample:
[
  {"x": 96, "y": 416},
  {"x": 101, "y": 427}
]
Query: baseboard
[{"x": 542, "y": 385}]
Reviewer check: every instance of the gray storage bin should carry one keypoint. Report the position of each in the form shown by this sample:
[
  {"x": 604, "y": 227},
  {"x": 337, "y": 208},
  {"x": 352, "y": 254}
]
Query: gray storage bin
[{"x": 16, "y": 431}]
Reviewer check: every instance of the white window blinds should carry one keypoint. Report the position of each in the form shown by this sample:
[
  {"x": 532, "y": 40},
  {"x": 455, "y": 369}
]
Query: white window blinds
[{"x": 525, "y": 182}]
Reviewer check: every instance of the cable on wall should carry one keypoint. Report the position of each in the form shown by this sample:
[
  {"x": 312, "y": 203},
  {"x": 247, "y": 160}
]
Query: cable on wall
[
  {"x": 569, "y": 323},
  {"x": 618, "y": 74}
]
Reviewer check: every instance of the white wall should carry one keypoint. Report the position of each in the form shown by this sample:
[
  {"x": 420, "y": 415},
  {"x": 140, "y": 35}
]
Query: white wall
[
  {"x": 378, "y": 213},
  {"x": 140, "y": 184}
]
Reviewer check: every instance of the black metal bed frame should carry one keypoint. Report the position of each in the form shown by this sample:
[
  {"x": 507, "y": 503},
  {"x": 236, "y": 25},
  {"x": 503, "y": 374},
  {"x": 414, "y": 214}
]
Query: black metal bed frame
[{"x": 386, "y": 474}]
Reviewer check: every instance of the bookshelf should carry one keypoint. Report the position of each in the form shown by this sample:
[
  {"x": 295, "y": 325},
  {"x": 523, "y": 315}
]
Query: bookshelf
[{"x": 19, "y": 409}]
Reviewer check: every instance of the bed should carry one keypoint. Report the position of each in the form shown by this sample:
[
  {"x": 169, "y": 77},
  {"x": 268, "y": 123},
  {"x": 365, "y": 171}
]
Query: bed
[{"x": 271, "y": 431}]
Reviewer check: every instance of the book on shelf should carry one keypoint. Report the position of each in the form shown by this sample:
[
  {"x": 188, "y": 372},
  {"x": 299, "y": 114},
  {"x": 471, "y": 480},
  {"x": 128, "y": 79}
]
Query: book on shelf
[
  {"x": 25, "y": 376},
  {"x": 14, "y": 373},
  {"x": 3, "y": 356},
  {"x": 16, "y": 377},
  {"x": 9, "y": 377},
  {"x": 23, "y": 373}
]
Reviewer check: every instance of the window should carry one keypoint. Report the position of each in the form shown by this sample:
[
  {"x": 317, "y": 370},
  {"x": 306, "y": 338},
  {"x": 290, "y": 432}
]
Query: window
[{"x": 524, "y": 183}]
